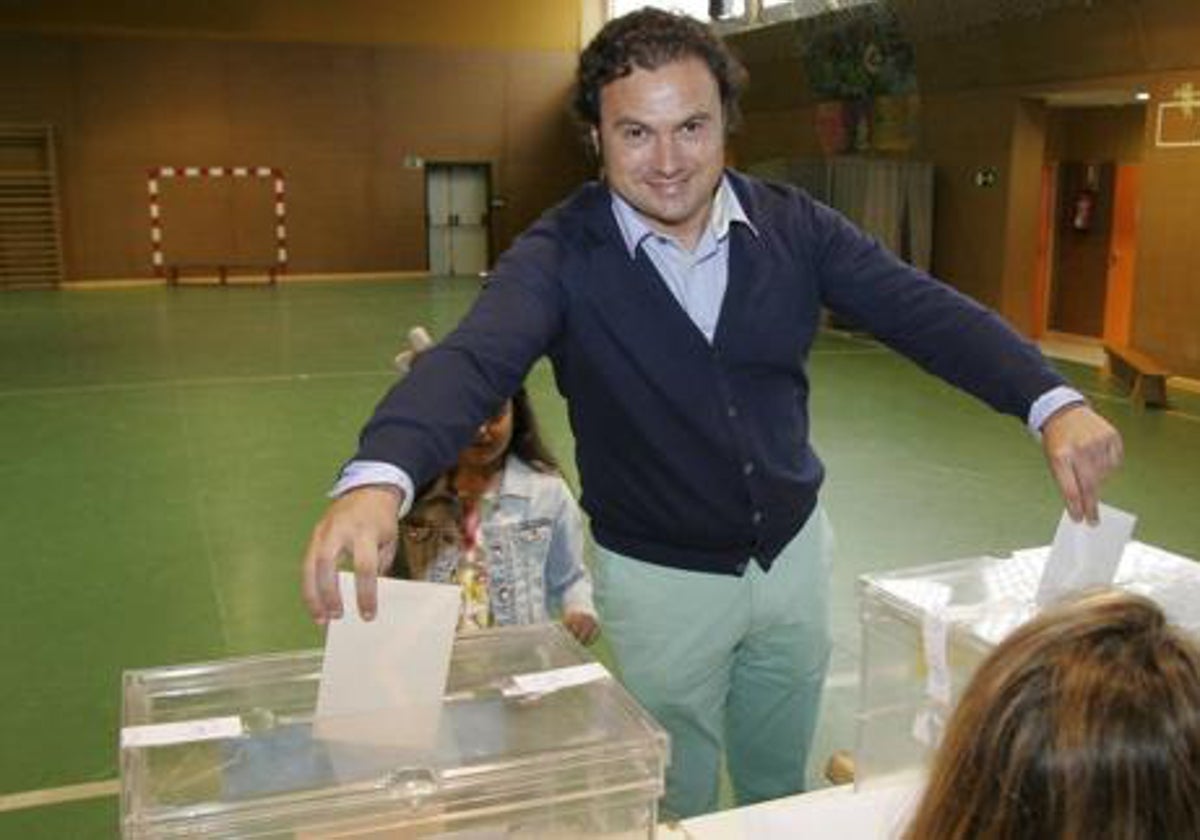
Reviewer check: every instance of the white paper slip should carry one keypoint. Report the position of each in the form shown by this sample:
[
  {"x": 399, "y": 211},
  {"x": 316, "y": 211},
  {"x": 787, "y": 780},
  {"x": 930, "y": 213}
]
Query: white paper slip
[
  {"x": 543, "y": 682},
  {"x": 1085, "y": 555},
  {"x": 382, "y": 681},
  {"x": 180, "y": 732}
]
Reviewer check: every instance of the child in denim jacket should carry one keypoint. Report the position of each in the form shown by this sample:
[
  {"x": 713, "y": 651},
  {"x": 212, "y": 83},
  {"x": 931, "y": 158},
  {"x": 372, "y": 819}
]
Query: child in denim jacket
[{"x": 503, "y": 525}]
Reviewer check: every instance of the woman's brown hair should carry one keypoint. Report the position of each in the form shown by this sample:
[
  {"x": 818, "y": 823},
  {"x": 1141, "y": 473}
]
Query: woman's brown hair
[{"x": 1084, "y": 723}]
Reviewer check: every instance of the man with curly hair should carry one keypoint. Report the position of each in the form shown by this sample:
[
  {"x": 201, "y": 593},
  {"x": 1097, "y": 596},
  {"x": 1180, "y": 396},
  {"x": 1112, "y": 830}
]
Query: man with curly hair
[{"x": 677, "y": 301}]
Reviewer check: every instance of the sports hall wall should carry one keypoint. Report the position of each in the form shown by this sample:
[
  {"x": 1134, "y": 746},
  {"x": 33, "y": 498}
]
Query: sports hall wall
[
  {"x": 340, "y": 97},
  {"x": 978, "y": 108}
]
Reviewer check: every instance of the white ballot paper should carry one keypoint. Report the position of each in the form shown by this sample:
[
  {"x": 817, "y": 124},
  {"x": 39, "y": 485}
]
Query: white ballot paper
[
  {"x": 1085, "y": 555},
  {"x": 382, "y": 681}
]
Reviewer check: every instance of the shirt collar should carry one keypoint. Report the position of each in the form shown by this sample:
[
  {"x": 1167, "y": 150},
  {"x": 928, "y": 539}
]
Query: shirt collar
[
  {"x": 726, "y": 209},
  {"x": 517, "y": 479}
]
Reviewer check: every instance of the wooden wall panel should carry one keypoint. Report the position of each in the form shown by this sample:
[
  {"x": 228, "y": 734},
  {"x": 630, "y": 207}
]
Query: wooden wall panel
[
  {"x": 776, "y": 84},
  {"x": 975, "y": 88},
  {"x": 963, "y": 133},
  {"x": 338, "y": 120},
  {"x": 1118, "y": 308},
  {"x": 541, "y": 137},
  {"x": 108, "y": 223},
  {"x": 298, "y": 100},
  {"x": 1067, "y": 44},
  {"x": 38, "y": 78},
  {"x": 1166, "y": 30},
  {"x": 788, "y": 133},
  {"x": 444, "y": 103},
  {"x": 1166, "y": 295},
  {"x": 1096, "y": 134},
  {"x": 131, "y": 103},
  {"x": 199, "y": 223},
  {"x": 496, "y": 24},
  {"x": 1018, "y": 280}
]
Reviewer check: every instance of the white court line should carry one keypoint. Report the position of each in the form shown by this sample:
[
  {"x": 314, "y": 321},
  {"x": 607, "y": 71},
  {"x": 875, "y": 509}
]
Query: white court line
[
  {"x": 113, "y": 387},
  {"x": 1091, "y": 395},
  {"x": 218, "y": 381},
  {"x": 58, "y": 795},
  {"x": 1182, "y": 415}
]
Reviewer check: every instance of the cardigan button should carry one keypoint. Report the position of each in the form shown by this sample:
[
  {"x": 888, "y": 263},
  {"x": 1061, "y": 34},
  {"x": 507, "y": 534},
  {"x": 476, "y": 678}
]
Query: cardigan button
[
  {"x": 757, "y": 518},
  {"x": 748, "y": 468},
  {"x": 732, "y": 411}
]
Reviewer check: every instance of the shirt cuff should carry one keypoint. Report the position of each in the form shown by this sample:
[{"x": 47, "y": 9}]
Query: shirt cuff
[
  {"x": 578, "y": 597},
  {"x": 362, "y": 473},
  {"x": 1050, "y": 402}
]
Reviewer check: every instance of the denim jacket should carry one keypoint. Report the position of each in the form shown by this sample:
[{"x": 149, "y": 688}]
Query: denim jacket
[{"x": 531, "y": 536}]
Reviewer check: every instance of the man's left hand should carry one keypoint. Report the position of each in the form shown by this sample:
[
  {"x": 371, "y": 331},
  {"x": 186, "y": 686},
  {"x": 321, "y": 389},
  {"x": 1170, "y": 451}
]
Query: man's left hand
[{"x": 1082, "y": 449}]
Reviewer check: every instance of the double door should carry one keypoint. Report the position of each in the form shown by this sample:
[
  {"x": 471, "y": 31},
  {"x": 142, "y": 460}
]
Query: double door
[{"x": 457, "y": 199}]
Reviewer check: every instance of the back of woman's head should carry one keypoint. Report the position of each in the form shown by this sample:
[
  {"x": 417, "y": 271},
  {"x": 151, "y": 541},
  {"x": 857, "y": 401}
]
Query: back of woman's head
[{"x": 1084, "y": 723}]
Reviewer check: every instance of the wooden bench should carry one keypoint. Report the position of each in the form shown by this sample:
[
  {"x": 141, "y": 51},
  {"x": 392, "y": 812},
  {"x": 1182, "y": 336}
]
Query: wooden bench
[
  {"x": 222, "y": 271},
  {"x": 1145, "y": 378}
]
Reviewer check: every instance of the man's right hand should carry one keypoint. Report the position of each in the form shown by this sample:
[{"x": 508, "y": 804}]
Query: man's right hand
[{"x": 362, "y": 525}]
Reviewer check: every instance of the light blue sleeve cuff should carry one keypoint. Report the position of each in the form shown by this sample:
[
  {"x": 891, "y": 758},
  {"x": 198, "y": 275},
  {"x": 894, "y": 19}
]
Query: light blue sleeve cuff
[
  {"x": 1048, "y": 403},
  {"x": 578, "y": 597},
  {"x": 361, "y": 473}
]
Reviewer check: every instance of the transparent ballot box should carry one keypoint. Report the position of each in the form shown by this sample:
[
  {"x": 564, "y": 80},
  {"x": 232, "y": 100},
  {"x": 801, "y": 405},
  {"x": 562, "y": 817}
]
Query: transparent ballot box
[
  {"x": 925, "y": 629},
  {"x": 536, "y": 741}
]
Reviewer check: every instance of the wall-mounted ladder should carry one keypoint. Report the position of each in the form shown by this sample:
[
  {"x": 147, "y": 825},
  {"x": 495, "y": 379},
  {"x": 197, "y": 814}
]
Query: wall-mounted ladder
[{"x": 30, "y": 241}]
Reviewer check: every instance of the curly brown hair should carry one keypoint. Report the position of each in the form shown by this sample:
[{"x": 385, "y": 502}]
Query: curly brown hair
[{"x": 649, "y": 39}]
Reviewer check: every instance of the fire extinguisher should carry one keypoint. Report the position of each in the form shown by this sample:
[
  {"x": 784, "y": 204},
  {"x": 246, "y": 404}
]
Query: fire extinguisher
[{"x": 1083, "y": 208}]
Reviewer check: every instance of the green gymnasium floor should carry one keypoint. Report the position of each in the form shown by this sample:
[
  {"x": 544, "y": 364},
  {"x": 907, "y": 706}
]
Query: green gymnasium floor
[{"x": 164, "y": 454}]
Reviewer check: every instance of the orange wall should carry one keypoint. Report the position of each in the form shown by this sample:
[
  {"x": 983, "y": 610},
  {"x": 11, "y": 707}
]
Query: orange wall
[
  {"x": 1022, "y": 219},
  {"x": 494, "y": 24},
  {"x": 1075, "y": 43},
  {"x": 979, "y": 89},
  {"x": 776, "y": 134},
  {"x": 1120, "y": 45},
  {"x": 1096, "y": 134},
  {"x": 962, "y": 134},
  {"x": 1118, "y": 305},
  {"x": 1166, "y": 295},
  {"x": 339, "y": 120}
]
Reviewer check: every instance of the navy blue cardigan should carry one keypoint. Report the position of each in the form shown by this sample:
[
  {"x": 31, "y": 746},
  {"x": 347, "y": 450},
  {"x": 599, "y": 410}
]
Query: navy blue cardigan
[{"x": 690, "y": 455}]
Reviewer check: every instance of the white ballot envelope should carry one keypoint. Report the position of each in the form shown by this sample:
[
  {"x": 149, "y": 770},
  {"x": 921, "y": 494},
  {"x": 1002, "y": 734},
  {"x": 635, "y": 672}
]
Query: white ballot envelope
[
  {"x": 1085, "y": 555},
  {"x": 382, "y": 681}
]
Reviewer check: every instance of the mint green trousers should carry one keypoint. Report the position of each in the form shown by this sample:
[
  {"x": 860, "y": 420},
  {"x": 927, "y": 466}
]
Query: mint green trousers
[{"x": 725, "y": 664}]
